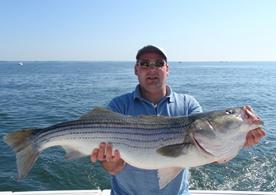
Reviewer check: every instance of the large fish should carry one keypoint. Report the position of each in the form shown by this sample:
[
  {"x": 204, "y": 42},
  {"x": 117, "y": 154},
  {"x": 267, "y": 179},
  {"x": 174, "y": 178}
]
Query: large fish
[{"x": 149, "y": 142}]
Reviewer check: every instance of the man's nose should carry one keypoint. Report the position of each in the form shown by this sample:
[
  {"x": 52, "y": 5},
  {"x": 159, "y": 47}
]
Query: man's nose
[{"x": 152, "y": 68}]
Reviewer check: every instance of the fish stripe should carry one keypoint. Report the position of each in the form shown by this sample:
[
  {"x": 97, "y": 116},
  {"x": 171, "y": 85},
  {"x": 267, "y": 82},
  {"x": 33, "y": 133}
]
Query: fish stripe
[
  {"x": 111, "y": 124},
  {"x": 158, "y": 136}
]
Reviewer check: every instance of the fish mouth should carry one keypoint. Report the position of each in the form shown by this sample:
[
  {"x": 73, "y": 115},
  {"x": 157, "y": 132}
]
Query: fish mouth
[{"x": 250, "y": 116}]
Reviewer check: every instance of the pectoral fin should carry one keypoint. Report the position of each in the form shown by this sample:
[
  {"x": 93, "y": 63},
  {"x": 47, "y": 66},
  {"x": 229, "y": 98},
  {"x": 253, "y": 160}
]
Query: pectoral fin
[
  {"x": 174, "y": 150},
  {"x": 72, "y": 154},
  {"x": 166, "y": 175}
]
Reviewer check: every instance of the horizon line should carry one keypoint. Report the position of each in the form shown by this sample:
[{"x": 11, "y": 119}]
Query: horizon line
[{"x": 178, "y": 61}]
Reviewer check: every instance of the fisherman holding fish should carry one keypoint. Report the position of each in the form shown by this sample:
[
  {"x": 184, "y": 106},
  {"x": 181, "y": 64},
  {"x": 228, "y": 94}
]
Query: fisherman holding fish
[
  {"x": 152, "y": 96},
  {"x": 156, "y": 134}
]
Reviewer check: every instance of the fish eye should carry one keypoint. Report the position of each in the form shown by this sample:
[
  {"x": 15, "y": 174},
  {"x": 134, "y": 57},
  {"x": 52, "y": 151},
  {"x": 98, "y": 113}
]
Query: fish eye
[{"x": 229, "y": 111}]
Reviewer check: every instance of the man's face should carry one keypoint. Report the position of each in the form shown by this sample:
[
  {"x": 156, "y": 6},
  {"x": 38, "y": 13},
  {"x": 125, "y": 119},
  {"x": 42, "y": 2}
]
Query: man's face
[{"x": 152, "y": 78}]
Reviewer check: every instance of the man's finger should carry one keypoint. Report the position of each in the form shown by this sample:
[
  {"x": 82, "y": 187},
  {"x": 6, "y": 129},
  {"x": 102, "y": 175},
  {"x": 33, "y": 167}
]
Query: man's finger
[
  {"x": 250, "y": 139},
  {"x": 108, "y": 152},
  {"x": 260, "y": 132},
  {"x": 257, "y": 134},
  {"x": 101, "y": 154},
  {"x": 117, "y": 155},
  {"x": 254, "y": 136},
  {"x": 94, "y": 155}
]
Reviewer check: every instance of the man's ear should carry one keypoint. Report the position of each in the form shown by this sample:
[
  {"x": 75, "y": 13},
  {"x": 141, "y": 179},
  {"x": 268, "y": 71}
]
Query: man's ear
[{"x": 136, "y": 69}]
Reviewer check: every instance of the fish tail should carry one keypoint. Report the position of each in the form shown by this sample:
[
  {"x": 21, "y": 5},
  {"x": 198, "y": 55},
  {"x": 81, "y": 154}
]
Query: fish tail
[{"x": 26, "y": 152}]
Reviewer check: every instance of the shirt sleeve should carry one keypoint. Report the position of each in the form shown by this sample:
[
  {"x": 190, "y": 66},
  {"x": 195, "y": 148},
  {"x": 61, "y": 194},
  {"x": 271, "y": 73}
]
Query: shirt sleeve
[
  {"x": 194, "y": 106},
  {"x": 115, "y": 106}
]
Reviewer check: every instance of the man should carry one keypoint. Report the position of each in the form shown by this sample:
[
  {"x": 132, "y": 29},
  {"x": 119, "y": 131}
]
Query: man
[{"x": 152, "y": 96}]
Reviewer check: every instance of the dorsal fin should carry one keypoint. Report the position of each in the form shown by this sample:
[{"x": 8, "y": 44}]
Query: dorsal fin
[{"x": 100, "y": 112}]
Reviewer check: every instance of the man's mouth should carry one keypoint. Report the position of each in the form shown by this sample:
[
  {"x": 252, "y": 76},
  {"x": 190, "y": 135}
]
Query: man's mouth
[{"x": 152, "y": 78}]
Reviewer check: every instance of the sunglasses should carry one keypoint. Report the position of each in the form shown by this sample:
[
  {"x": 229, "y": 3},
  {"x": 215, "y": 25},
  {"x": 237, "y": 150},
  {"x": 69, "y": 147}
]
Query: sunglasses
[{"x": 151, "y": 63}]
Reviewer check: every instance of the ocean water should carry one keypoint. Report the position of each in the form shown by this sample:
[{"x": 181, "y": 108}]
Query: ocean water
[{"x": 39, "y": 94}]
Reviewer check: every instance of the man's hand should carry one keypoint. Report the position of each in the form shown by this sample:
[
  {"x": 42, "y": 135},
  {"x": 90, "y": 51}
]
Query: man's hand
[
  {"x": 254, "y": 136},
  {"x": 112, "y": 163}
]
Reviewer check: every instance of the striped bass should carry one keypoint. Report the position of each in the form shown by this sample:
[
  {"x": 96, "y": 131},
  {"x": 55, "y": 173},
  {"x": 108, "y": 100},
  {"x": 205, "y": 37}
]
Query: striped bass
[{"x": 148, "y": 142}]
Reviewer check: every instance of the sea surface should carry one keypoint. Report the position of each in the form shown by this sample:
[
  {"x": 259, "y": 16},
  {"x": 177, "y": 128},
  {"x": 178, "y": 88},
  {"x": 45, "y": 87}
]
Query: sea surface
[{"x": 40, "y": 94}]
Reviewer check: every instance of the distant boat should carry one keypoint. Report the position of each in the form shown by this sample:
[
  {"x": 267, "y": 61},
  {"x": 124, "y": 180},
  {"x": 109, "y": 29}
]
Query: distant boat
[{"x": 20, "y": 63}]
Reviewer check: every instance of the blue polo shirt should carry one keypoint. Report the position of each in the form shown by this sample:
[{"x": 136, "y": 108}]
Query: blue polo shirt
[{"x": 132, "y": 180}]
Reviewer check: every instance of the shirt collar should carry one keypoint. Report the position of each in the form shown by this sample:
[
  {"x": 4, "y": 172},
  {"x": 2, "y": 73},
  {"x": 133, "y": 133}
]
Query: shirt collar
[
  {"x": 137, "y": 94},
  {"x": 170, "y": 94}
]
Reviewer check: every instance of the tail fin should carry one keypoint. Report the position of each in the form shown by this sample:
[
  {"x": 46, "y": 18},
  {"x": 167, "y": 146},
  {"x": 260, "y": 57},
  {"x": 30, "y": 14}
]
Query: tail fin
[{"x": 26, "y": 152}]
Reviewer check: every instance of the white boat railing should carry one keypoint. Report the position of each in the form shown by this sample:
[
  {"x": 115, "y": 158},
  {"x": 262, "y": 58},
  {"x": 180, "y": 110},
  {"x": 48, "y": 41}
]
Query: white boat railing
[{"x": 107, "y": 192}]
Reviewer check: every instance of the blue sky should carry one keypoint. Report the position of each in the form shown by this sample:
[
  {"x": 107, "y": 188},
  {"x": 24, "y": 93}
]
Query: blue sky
[{"x": 188, "y": 30}]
